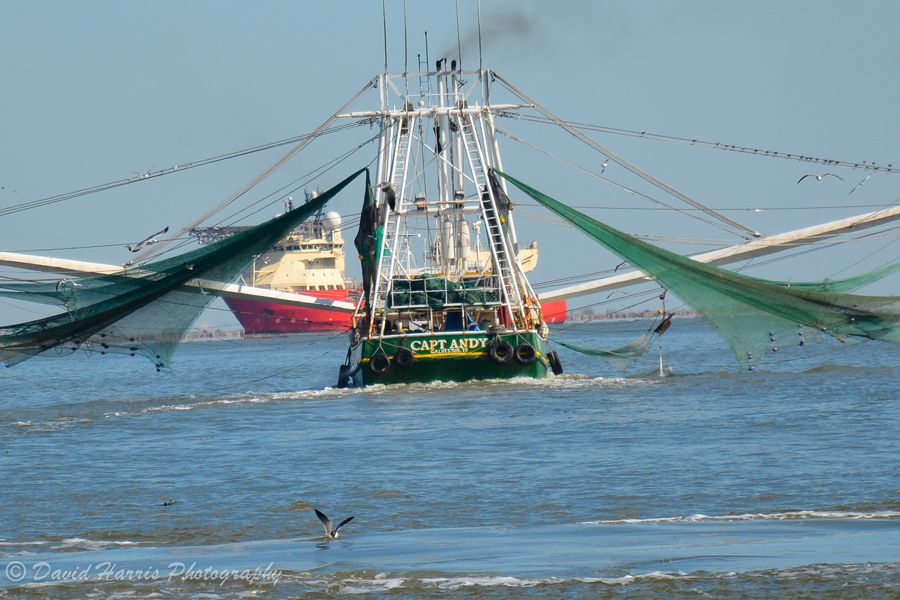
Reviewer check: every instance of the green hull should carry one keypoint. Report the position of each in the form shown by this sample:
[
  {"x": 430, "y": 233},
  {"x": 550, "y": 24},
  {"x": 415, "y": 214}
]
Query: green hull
[{"x": 457, "y": 356}]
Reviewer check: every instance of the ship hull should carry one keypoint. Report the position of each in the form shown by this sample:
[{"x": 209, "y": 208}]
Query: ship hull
[
  {"x": 454, "y": 356},
  {"x": 258, "y": 317},
  {"x": 555, "y": 311}
]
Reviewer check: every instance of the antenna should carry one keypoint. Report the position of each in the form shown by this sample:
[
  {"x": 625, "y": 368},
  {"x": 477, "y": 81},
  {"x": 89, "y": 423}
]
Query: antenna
[
  {"x": 458, "y": 40},
  {"x": 479, "y": 38},
  {"x": 384, "y": 21},
  {"x": 405, "y": 43},
  {"x": 427, "y": 63},
  {"x": 405, "y": 52}
]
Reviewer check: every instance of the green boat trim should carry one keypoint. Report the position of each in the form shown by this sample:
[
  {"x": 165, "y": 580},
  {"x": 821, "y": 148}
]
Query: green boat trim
[{"x": 449, "y": 356}]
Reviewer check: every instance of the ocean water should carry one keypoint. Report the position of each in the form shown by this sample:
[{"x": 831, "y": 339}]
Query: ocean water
[{"x": 120, "y": 482}]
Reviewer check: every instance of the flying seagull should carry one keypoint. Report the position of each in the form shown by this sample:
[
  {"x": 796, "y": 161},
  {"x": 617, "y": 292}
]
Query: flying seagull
[
  {"x": 147, "y": 241},
  {"x": 603, "y": 166},
  {"x": 331, "y": 531},
  {"x": 819, "y": 177},
  {"x": 859, "y": 185}
]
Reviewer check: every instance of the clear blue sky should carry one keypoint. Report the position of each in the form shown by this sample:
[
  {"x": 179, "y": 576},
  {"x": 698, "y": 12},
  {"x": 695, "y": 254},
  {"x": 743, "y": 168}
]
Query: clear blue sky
[{"x": 95, "y": 91}]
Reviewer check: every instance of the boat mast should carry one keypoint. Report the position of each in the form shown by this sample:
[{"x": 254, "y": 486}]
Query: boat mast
[{"x": 458, "y": 129}]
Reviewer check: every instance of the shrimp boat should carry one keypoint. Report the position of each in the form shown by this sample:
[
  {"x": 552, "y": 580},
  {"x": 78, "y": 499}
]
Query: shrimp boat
[{"x": 445, "y": 296}]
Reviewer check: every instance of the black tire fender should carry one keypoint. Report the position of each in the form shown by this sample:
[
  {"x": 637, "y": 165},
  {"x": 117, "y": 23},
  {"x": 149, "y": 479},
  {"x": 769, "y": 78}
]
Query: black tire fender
[
  {"x": 404, "y": 357},
  {"x": 555, "y": 365},
  {"x": 379, "y": 363},
  {"x": 525, "y": 354},
  {"x": 343, "y": 376},
  {"x": 500, "y": 351}
]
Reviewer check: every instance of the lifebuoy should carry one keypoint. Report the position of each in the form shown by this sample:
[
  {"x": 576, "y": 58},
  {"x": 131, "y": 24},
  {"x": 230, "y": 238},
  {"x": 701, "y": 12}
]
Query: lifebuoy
[
  {"x": 501, "y": 352},
  {"x": 403, "y": 357},
  {"x": 379, "y": 363},
  {"x": 525, "y": 354}
]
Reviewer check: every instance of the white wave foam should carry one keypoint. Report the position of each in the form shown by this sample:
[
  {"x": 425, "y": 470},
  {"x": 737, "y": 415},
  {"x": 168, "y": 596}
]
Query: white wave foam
[
  {"x": 381, "y": 583},
  {"x": 34, "y": 543},
  {"x": 90, "y": 545},
  {"x": 185, "y": 407},
  {"x": 455, "y": 583},
  {"x": 170, "y": 407},
  {"x": 563, "y": 382},
  {"x": 50, "y": 426},
  {"x": 778, "y": 516}
]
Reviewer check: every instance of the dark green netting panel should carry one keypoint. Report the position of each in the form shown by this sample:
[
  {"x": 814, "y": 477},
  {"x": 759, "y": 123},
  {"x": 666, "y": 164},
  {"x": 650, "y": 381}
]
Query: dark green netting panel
[
  {"x": 754, "y": 316},
  {"x": 435, "y": 292},
  {"x": 838, "y": 285},
  {"x": 145, "y": 310},
  {"x": 620, "y": 358}
]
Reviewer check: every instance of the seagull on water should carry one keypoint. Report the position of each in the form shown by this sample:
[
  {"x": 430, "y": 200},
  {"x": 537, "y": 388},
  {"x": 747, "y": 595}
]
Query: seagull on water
[
  {"x": 147, "y": 241},
  {"x": 819, "y": 177},
  {"x": 859, "y": 185},
  {"x": 330, "y": 530}
]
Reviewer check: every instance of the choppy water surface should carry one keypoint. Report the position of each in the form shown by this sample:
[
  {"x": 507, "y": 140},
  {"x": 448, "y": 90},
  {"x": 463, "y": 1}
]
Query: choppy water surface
[{"x": 119, "y": 481}]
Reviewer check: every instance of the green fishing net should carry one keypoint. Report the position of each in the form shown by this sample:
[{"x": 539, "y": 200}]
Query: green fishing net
[
  {"x": 754, "y": 316},
  {"x": 621, "y": 358},
  {"x": 838, "y": 285},
  {"x": 145, "y": 310}
]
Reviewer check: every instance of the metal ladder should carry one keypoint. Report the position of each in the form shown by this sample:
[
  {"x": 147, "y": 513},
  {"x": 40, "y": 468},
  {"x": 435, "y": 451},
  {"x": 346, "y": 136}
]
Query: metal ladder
[
  {"x": 400, "y": 159},
  {"x": 495, "y": 233}
]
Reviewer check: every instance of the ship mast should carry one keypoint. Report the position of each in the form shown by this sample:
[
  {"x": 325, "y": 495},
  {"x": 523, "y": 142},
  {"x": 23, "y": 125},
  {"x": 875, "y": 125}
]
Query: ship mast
[{"x": 437, "y": 148}]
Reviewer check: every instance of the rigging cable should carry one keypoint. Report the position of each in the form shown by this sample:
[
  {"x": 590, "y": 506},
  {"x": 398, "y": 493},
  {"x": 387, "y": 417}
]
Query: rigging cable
[
  {"x": 154, "y": 250},
  {"x": 611, "y": 182},
  {"x": 626, "y": 164},
  {"x": 859, "y": 165},
  {"x": 307, "y": 179},
  {"x": 167, "y": 171}
]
